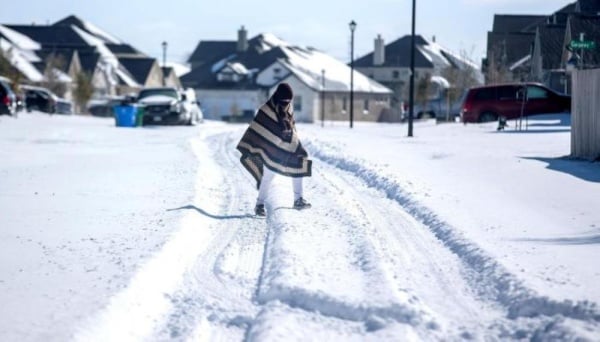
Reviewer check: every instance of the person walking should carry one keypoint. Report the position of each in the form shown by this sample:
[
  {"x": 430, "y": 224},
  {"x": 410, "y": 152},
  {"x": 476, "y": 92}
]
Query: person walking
[{"x": 271, "y": 146}]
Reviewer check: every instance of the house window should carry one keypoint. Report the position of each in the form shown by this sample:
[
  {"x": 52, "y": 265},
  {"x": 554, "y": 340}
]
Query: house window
[
  {"x": 396, "y": 74},
  {"x": 344, "y": 104},
  {"x": 366, "y": 106},
  {"x": 298, "y": 104}
]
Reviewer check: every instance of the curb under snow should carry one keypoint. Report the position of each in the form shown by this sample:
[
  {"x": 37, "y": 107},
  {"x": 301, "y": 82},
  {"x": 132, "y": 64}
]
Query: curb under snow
[{"x": 500, "y": 284}]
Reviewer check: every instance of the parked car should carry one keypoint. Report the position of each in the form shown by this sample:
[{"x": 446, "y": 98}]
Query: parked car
[
  {"x": 44, "y": 100},
  {"x": 168, "y": 105},
  {"x": 104, "y": 107},
  {"x": 8, "y": 99},
  {"x": 511, "y": 101}
]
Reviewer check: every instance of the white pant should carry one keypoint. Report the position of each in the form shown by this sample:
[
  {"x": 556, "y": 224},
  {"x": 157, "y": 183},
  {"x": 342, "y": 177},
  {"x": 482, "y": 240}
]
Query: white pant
[{"x": 265, "y": 184}]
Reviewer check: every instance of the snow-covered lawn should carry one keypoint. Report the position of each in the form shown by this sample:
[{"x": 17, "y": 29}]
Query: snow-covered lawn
[{"x": 460, "y": 232}]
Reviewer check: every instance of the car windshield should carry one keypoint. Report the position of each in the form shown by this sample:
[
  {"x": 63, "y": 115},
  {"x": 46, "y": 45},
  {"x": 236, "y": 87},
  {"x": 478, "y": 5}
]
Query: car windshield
[{"x": 153, "y": 92}]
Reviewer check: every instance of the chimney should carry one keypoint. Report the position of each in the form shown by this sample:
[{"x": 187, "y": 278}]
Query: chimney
[
  {"x": 242, "y": 43},
  {"x": 379, "y": 52}
]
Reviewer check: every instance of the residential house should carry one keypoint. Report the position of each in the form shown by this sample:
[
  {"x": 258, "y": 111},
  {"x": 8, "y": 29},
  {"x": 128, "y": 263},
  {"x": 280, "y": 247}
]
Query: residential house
[
  {"x": 390, "y": 65},
  {"x": 234, "y": 78},
  {"x": 80, "y": 46},
  {"x": 509, "y": 47},
  {"x": 534, "y": 48}
]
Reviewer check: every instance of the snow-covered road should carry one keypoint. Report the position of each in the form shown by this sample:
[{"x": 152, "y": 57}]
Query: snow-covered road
[{"x": 369, "y": 261}]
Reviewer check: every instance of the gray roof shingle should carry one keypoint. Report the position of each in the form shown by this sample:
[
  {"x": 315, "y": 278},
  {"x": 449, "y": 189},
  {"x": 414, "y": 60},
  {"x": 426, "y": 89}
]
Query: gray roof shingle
[{"x": 397, "y": 54}]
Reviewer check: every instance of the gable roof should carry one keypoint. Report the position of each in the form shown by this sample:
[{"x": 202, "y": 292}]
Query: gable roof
[
  {"x": 51, "y": 36},
  {"x": 256, "y": 57},
  {"x": 508, "y": 23},
  {"x": 65, "y": 55},
  {"x": 138, "y": 67},
  {"x": 265, "y": 50},
  {"x": 87, "y": 27},
  {"x": 397, "y": 54},
  {"x": 590, "y": 7},
  {"x": 551, "y": 40},
  {"x": 123, "y": 49},
  {"x": 89, "y": 60},
  {"x": 208, "y": 51},
  {"x": 512, "y": 46}
]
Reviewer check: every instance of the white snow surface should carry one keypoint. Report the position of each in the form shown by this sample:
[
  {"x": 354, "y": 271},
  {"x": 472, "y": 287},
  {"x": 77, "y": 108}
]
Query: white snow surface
[
  {"x": 95, "y": 30},
  {"x": 308, "y": 65},
  {"x": 148, "y": 234},
  {"x": 18, "y": 39}
]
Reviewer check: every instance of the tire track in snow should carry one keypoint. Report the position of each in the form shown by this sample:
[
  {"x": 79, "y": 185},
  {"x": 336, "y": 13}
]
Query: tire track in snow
[
  {"x": 135, "y": 312},
  {"x": 335, "y": 272},
  {"x": 215, "y": 301},
  {"x": 416, "y": 262},
  {"x": 493, "y": 279}
]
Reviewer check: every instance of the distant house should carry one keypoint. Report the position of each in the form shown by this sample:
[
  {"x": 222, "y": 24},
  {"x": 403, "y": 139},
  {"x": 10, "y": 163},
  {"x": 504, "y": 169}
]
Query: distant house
[
  {"x": 234, "y": 78},
  {"x": 80, "y": 46},
  {"x": 534, "y": 48},
  {"x": 390, "y": 64}
]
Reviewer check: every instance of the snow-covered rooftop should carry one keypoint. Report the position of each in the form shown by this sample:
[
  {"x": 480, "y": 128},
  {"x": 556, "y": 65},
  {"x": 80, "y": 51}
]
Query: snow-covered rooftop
[
  {"x": 21, "y": 60},
  {"x": 18, "y": 39},
  {"x": 308, "y": 66}
]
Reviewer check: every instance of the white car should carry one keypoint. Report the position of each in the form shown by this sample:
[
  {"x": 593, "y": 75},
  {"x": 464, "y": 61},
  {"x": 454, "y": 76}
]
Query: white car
[{"x": 168, "y": 105}]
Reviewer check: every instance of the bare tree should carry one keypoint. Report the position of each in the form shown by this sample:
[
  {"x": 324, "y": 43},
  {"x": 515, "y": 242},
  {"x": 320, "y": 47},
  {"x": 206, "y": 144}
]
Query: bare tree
[
  {"x": 461, "y": 78},
  {"x": 422, "y": 90},
  {"x": 54, "y": 64},
  {"x": 83, "y": 91},
  {"x": 496, "y": 70}
]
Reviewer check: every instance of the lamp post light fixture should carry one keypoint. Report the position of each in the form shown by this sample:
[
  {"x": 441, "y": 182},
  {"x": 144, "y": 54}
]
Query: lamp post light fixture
[
  {"x": 164, "y": 46},
  {"x": 352, "y": 28}
]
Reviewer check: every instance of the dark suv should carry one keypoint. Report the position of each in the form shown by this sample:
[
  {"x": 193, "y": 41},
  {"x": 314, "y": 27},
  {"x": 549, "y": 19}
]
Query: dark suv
[
  {"x": 44, "y": 100},
  {"x": 8, "y": 99},
  {"x": 488, "y": 103}
]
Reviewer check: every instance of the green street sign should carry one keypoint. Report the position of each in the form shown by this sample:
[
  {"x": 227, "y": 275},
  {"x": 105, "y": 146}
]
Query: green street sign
[{"x": 585, "y": 44}]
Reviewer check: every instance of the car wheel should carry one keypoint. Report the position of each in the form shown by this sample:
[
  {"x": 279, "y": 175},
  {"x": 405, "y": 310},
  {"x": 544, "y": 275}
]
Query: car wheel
[{"x": 488, "y": 117}]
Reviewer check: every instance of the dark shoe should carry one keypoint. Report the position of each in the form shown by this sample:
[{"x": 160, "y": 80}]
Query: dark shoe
[
  {"x": 259, "y": 210},
  {"x": 301, "y": 203}
]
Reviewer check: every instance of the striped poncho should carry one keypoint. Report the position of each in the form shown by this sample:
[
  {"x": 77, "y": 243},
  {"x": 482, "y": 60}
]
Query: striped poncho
[{"x": 271, "y": 141}]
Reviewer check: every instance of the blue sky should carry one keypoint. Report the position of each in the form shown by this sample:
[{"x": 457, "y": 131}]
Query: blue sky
[{"x": 460, "y": 25}]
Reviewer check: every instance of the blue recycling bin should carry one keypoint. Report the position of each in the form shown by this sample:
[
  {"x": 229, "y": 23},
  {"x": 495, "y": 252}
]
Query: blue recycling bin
[{"x": 125, "y": 115}]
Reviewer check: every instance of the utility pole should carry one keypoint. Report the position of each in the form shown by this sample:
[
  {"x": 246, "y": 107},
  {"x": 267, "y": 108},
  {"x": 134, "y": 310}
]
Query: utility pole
[
  {"x": 352, "y": 28},
  {"x": 164, "y": 46},
  {"x": 322, "y": 97}
]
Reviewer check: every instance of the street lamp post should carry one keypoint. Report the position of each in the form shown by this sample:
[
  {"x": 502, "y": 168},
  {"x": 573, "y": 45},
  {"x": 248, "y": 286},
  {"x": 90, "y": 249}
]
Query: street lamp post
[
  {"x": 352, "y": 28},
  {"x": 164, "y": 46},
  {"x": 412, "y": 75}
]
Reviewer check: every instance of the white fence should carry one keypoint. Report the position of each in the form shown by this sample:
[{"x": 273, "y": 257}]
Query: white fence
[{"x": 585, "y": 114}]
